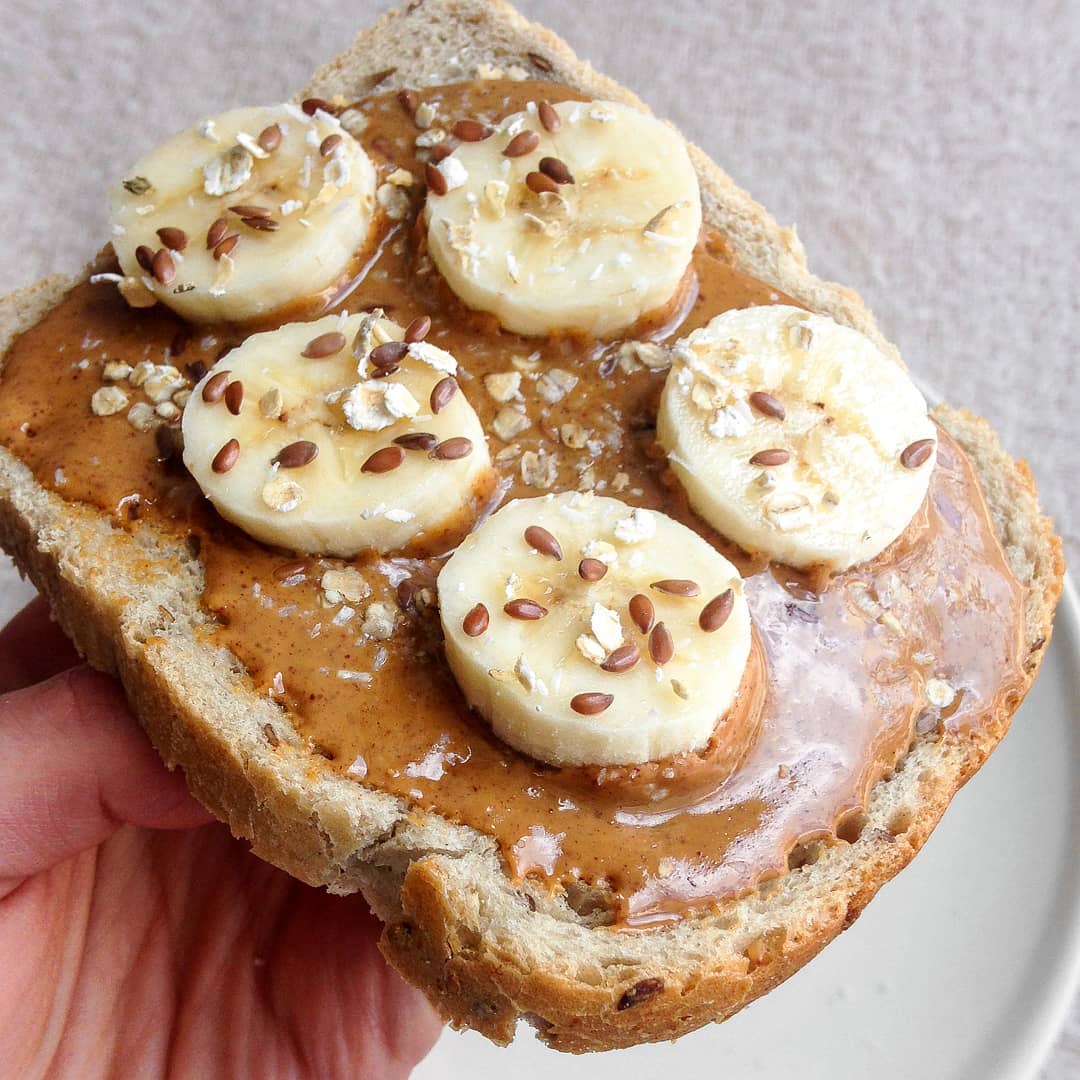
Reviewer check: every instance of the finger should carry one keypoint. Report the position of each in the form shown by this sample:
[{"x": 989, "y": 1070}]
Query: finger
[
  {"x": 74, "y": 766},
  {"x": 33, "y": 648}
]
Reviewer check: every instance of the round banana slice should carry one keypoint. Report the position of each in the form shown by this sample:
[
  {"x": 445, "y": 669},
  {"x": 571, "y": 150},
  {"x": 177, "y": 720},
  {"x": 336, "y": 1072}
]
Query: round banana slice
[
  {"x": 590, "y": 632},
  {"x": 578, "y": 217},
  {"x": 795, "y": 436},
  {"x": 335, "y": 437},
  {"x": 245, "y": 212}
]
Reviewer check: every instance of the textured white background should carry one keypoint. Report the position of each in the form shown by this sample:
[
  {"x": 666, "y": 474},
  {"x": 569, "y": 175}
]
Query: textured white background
[{"x": 928, "y": 152}]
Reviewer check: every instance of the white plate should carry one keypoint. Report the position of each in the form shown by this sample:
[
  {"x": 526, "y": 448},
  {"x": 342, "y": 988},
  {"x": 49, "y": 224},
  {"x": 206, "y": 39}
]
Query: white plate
[{"x": 961, "y": 969}]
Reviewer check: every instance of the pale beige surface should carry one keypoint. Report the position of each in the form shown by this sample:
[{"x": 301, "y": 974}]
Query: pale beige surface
[{"x": 929, "y": 159}]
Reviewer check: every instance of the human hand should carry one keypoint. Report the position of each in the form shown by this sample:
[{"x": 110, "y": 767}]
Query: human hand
[{"x": 128, "y": 950}]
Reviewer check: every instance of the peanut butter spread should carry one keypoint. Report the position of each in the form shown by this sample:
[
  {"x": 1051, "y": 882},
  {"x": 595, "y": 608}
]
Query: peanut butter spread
[{"x": 844, "y": 672}]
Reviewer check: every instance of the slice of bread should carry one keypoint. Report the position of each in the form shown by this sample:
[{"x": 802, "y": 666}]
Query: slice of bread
[{"x": 486, "y": 952}]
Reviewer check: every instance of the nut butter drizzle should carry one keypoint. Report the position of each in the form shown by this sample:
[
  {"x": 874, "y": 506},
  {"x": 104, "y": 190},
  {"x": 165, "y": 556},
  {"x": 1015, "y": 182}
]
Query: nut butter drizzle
[{"x": 847, "y": 667}]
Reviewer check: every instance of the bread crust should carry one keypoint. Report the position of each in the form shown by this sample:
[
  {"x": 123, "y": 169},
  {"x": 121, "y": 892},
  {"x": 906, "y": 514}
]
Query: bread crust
[{"x": 484, "y": 950}]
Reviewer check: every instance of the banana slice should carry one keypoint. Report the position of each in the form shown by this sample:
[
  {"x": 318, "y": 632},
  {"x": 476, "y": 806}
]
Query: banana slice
[
  {"x": 245, "y": 212},
  {"x": 335, "y": 437},
  {"x": 577, "y": 217},
  {"x": 590, "y": 632},
  {"x": 795, "y": 436}
]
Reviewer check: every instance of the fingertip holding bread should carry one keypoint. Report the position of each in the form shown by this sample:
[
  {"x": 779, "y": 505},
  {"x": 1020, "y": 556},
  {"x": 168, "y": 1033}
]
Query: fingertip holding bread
[{"x": 490, "y": 948}]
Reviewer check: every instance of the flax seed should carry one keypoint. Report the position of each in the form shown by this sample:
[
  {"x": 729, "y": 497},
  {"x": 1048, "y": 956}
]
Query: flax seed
[
  {"x": 324, "y": 345},
  {"x": 452, "y": 449},
  {"x": 226, "y": 457},
  {"x": 524, "y": 142},
  {"x": 245, "y": 210},
  {"x": 269, "y": 138},
  {"x": 677, "y": 587},
  {"x": 536, "y": 536},
  {"x": 591, "y": 569},
  {"x": 297, "y": 454},
  {"x": 214, "y": 390},
  {"x": 417, "y": 440},
  {"x": 549, "y": 117},
  {"x": 917, "y": 453},
  {"x": 436, "y": 182},
  {"x": 769, "y": 458},
  {"x": 642, "y": 612},
  {"x": 163, "y": 267},
  {"x": 227, "y": 246},
  {"x": 418, "y": 329},
  {"x": 476, "y": 621},
  {"x": 443, "y": 393},
  {"x": 622, "y": 659},
  {"x": 471, "y": 131},
  {"x": 590, "y": 704},
  {"x": 174, "y": 239},
  {"x": 538, "y": 183},
  {"x": 234, "y": 397},
  {"x": 716, "y": 612},
  {"x": 661, "y": 646},
  {"x": 216, "y": 233},
  {"x": 767, "y": 405},
  {"x": 385, "y": 460},
  {"x": 555, "y": 169},
  {"x": 523, "y": 608}
]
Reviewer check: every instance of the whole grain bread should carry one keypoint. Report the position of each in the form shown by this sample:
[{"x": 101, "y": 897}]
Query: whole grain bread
[{"x": 486, "y": 951}]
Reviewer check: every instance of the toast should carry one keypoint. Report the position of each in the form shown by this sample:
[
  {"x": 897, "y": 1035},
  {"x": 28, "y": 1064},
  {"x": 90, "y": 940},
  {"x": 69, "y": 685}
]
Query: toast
[{"x": 487, "y": 951}]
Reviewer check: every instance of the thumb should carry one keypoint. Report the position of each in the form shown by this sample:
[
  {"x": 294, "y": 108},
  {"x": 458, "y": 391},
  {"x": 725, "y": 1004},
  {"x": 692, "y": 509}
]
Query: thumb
[{"x": 74, "y": 767}]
